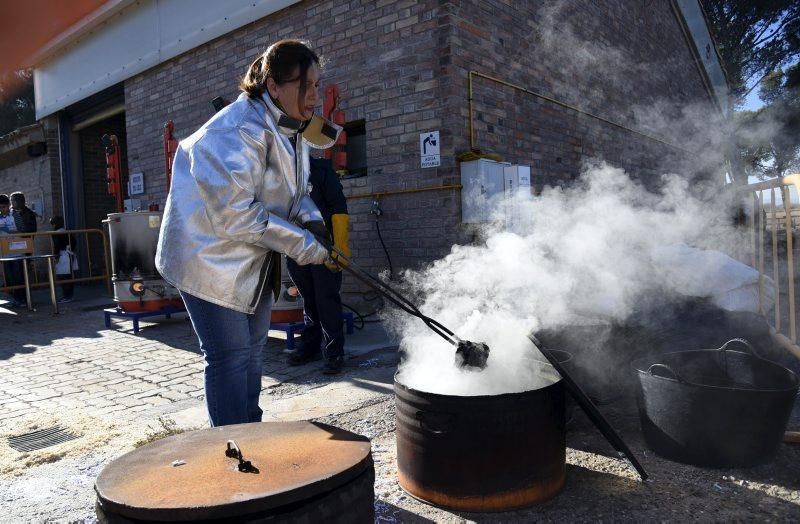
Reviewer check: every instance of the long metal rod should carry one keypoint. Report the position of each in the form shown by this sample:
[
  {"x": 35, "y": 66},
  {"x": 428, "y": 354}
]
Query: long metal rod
[
  {"x": 27, "y": 285},
  {"x": 775, "y": 266},
  {"x": 107, "y": 257},
  {"x": 753, "y": 233},
  {"x": 393, "y": 294},
  {"x": 787, "y": 207},
  {"x": 559, "y": 103},
  {"x": 388, "y": 292},
  {"x": 51, "y": 280},
  {"x": 761, "y": 253},
  {"x": 591, "y": 410}
]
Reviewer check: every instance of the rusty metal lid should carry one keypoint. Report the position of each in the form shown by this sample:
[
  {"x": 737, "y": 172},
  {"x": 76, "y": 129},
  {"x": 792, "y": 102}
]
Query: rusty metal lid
[{"x": 190, "y": 476}]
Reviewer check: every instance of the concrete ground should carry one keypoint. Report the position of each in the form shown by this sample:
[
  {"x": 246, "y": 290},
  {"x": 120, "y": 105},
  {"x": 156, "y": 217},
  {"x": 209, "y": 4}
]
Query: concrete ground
[{"x": 115, "y": 389}]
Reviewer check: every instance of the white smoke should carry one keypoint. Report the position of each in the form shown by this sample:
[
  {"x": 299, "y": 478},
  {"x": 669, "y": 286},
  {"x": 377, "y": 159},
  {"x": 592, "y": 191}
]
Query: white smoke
[{"x": 580, "y": 253}]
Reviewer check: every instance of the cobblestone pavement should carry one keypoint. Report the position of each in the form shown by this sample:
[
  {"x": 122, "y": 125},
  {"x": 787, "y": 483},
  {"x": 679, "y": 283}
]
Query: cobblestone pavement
[
  {"x": 58, "y": 363},
  {"x": 115, "y": 390},
  {"x": 116, "y": 387}
]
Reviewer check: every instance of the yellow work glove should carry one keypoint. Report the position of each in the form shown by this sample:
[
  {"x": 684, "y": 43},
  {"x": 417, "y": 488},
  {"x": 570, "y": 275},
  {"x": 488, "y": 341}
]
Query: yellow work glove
[{"x": 341, "y": 234}]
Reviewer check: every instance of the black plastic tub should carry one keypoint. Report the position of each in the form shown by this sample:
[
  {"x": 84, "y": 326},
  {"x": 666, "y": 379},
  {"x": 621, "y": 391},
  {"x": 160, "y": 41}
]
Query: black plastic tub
[{"x": 714, "y": 407}]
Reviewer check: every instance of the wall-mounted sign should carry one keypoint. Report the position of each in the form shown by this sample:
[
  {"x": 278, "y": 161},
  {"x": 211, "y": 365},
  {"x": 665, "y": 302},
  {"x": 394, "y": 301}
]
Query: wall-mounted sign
[
  {"x": 429, "y": 152},
  {"x": 136, "y": 184}
]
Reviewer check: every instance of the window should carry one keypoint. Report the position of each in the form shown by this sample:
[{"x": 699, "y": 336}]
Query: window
[{"x": 356, "y": 148}]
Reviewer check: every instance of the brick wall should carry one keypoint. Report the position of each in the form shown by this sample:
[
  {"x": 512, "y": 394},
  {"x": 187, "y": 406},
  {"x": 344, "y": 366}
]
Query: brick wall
[
  {"x": 616, "y": 60},
  {"x": 402, "y": 67}
]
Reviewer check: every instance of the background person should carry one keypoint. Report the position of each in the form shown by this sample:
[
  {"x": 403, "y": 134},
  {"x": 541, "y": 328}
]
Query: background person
[
  {"x": 65, "y": 263},
  {"x": 24, "y": 217},
  {"x": 25, "y": 222},
  {"x": 7, "y": 227},
  {"x": 238, "y": 199},
  {"x": 320, "y": 286}
]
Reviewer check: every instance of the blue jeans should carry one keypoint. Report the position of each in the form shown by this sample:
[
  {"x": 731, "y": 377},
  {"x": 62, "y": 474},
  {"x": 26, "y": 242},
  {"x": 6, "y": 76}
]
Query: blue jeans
[{"x": 232, "y": 344}]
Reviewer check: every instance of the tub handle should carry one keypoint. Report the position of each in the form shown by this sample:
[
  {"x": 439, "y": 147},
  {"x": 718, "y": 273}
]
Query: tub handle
[
  {"x": 663, "y": 367},
  {"x": 436, "y": 423},
  {"x": 748, "y": 346},
  {"x": 741, "y": 341}
]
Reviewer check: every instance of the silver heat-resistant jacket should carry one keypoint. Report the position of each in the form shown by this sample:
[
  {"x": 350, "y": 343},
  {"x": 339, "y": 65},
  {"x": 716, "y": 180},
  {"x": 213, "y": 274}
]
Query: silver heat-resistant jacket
[{"x": 239, "y": 191}]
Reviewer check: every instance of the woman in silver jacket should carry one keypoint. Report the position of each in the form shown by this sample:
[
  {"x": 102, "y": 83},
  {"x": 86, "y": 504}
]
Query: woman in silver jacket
[{"x": 238, "y": 199}]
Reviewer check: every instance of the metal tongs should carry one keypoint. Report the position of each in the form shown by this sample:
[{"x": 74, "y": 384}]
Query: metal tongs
[{"x": 469, "y": 355}]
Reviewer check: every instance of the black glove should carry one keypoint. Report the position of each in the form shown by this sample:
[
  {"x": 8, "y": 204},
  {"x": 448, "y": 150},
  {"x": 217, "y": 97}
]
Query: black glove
[{"x": 317, "y": 227}]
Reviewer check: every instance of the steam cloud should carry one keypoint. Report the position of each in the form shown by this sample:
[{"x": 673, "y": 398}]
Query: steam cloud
[
  {"x": 587, "y": 252},
  {"x": 591, "y": 251}
]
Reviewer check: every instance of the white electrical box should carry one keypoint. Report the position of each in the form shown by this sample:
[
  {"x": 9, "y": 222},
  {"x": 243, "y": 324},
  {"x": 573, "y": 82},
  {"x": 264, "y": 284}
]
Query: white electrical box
[
  {"x": 483, "y": 184},
  {"x": 517, "y": 191},
  {"x": 517, "y": 177}
]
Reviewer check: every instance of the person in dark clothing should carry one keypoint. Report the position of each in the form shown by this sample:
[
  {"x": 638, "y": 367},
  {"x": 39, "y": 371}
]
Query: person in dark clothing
[
  {"x": 7, "y": 227},
  {"x": 62, "y": 247},
  {"x": 25, "y": 221},
  {"x": 318, "y": 285},
  {"x": 24, "y": 217}
]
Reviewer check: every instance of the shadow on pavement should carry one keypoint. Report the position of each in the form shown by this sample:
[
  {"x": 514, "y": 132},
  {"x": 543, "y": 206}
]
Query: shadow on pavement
[
  {"x": 385, "y": 512},
  {"x": 24, "y": 331}
]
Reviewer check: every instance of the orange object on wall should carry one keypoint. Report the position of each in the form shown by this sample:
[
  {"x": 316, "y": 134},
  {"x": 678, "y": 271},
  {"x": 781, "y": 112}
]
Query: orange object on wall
[
  {"x": 170, "y": 146},
  {"x": 113, "y": 169},
  {"x": 331, "y": 111}
]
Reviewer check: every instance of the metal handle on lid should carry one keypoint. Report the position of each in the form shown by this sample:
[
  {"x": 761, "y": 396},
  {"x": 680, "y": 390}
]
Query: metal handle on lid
[{"x": 233, "y": 451}]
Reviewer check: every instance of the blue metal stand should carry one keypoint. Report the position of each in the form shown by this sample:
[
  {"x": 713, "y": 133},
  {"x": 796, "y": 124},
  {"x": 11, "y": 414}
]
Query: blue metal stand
[
  {"x": 136, "y": 315},
  {"x": 295, "y": 327}
]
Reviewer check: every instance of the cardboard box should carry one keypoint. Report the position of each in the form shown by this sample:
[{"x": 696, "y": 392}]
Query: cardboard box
[{"x": 12, "y": 245}]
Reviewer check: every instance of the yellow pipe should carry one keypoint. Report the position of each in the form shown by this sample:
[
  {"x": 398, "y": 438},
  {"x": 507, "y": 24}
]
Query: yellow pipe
[
  {"x": 471, "y": 128},
  {"x": 403, "y": 191},
  {"x": 562, "y": 104}
]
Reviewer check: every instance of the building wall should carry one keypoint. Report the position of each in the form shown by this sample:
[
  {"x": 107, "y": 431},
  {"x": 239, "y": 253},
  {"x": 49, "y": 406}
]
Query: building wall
[
  {"x": 31, "y": 176},
  {"x": 626, "y": 62},
  {"x": 402, "y": 66},
  {"x": 54, "y": 161}
]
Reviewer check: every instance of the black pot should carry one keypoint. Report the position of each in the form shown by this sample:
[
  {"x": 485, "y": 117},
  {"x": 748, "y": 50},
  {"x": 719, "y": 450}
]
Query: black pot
[
  {"x": 481, "y": 453},
  {"x": 565, "y": 359},
  {"x": 714, "y": 407}
]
